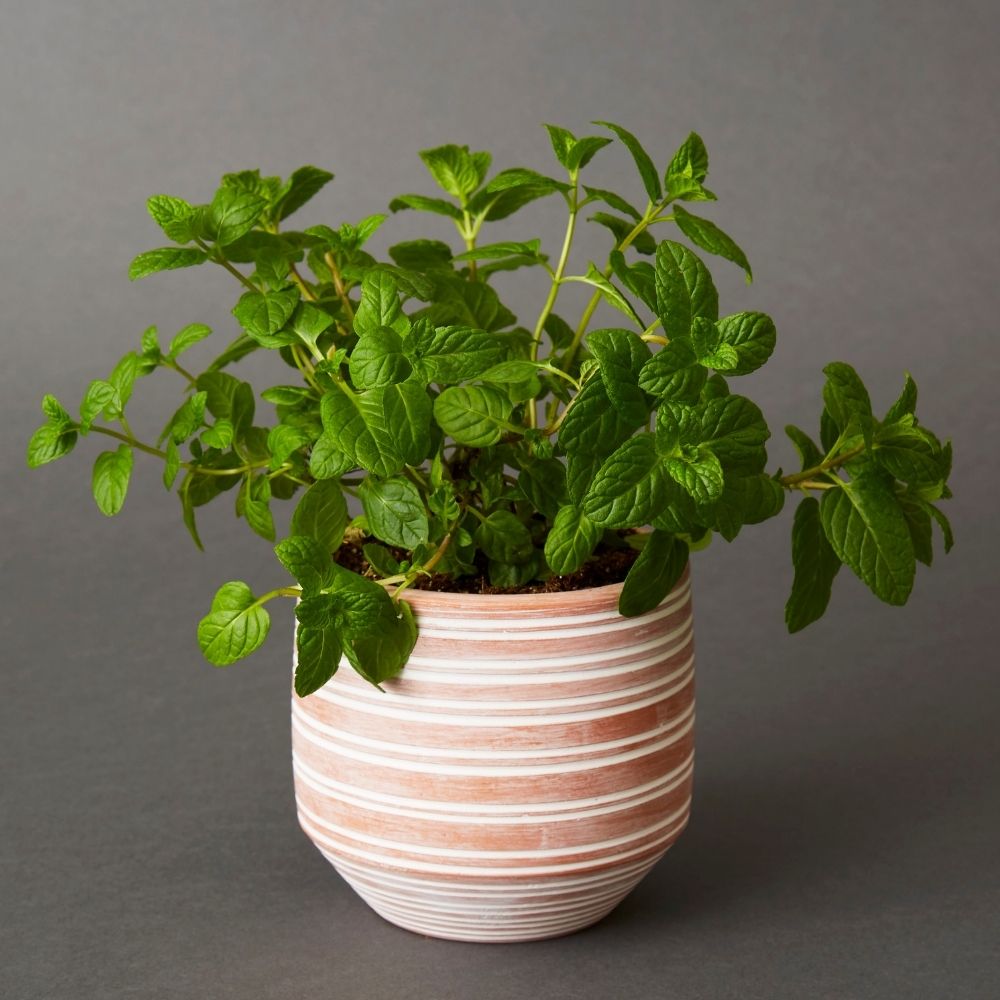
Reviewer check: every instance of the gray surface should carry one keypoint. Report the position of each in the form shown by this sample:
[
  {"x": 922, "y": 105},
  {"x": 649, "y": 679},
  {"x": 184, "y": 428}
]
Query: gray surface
[{"x": 844, "y": 840}]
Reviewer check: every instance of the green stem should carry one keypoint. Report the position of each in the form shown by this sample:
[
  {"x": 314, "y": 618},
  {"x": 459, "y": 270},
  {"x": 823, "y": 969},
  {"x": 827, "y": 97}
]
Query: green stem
[
  {"x": 277, "y": 592},
  {"x": 300, "y": 281},
  {"x": 338, "y": 284},
  {"x": 180, "y": 371},
  {"x": 833, "y": 462},
  {"x": 468, "y": 234},
  {"x": 647, "y": 220},
  {"x": 217, "y": 256}
]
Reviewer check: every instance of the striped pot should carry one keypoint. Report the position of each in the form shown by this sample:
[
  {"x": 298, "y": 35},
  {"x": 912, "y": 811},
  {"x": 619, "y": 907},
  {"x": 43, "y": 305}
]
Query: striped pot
[{"x": 530, "y": 765}]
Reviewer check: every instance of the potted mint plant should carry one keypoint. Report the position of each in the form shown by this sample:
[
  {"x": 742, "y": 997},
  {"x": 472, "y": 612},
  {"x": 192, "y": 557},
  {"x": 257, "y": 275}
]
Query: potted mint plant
[{"x": 492, "y": 520}]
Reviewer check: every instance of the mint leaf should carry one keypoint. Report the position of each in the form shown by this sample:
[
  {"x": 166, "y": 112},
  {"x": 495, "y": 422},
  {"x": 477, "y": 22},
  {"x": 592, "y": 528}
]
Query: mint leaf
[
  {"x": 164, "y": 259},
  {"x": 809, "y": 453},
  {"x": 684, "y": 289},
  {"x": 816, "y": 564},
  {"x": 110, "y": 479},
  {"x": 629, "y": 488},
  {"x": 473, "y": 415},
  {"x": 321, "y": 514},
  {"x": 622, "y": 355},
  {"x": 745, "y": 500},
  {"x": 504, "y": 538},
  {"x": 263, "y": 314},
  {"x": 379, "y": 305},
  {"x": 592, "y": 425},
  {"x": 100, "y": 395},
  {"x": 583, "y": 151},
  {"x": 232, "y": 214},
  {"x": 653, "y": 575},
  {"x": 570, "y": 541},
  {"x": 304, "y": 184},
  {"x": 219, "y": 435},
  {"x": 186, "y": 338},
  {"x": 448, "y": 354},
  {"x": 562, "y": 142},
  {"x": 174, "y": 216},
  {"x": 381, "y": 652},
  {"x": 493, "y": 251},
  {"x": 453, "y": 168},
  {"x": 906, "y": 404},
  {"x": 687, "y": 171},
  {"x": 868, "y": 532},
  {"x": 171, "y": 465},
  {"x": 673, "y": 373},
  {"x": 283, "y": 441},
  {"x": 422, "y": 204},
  {"x": 318, "y": 653},
  {"x": 307, "y": 560},
  {"x": 918, "y": 520},
  {"x": 710, "y": 237},
  {"x": 395, "y": 511},
  {"x": 511, "y": 190},
  {"x": 378, "y": 359},
  {"x": 847, "y": 400},
  {"x": 616, "y": 201},
  {"x": 235, "y": 627},
  {"x": 253, "y": 503},
  {"x": 909, "y": 453},
  {"x": 735, "y": 429},
  {"x": 381, "y": 559},
  {"x": 327, "y": 460},
  {"x": 608, "y": 291},
  {"x": 422, "y": 255},
  {"x": 49, "y": 442},
  {"x": 643, "y": 163},
  {"x": 752, "y": 335},
  {"x": 698, "y": 473}
]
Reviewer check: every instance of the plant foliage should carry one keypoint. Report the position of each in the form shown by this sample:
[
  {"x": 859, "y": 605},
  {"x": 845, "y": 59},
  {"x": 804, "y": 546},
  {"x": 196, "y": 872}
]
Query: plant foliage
[{"x": 473, "y": 441}]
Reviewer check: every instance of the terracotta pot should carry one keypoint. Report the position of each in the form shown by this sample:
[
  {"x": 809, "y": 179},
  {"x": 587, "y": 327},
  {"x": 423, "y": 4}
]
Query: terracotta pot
[{"x": 530, "y": 765}]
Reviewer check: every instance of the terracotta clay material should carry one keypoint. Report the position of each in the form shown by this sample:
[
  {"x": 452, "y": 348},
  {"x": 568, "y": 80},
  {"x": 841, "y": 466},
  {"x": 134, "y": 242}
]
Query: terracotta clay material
[{"x": 530, "y": 765}]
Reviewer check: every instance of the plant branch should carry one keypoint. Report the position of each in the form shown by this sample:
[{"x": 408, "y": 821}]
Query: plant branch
[{"x": 828, "y": 464}]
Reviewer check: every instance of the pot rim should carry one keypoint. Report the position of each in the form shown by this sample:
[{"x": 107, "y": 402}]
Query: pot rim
[{"x": 604, "y": 597}]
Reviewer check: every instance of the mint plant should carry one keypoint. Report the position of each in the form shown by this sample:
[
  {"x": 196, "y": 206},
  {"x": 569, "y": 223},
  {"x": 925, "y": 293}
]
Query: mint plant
[{"x": 472, "y": 441}]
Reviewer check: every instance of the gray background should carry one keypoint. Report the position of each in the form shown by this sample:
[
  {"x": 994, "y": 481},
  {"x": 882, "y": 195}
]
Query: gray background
[{"x": 845, "y": 830}]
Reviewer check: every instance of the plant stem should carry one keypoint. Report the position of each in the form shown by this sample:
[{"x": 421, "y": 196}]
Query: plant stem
[
  {"x": 648, "y": 219},
  {"x": 217, "y": 256},
  {"x": 180, "y": 371},
  {"x": 834, "y": 462},
  {"x": 338, "y": 284},
  {"x": 303, "y": 287}
]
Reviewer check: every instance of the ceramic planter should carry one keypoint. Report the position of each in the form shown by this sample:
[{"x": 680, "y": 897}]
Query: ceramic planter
[{"x": 529, "y": 767}]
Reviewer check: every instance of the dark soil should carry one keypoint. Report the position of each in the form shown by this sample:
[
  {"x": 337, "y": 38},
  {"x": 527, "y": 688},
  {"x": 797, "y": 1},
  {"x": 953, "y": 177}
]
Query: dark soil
[{"x": 609, "y": 564}]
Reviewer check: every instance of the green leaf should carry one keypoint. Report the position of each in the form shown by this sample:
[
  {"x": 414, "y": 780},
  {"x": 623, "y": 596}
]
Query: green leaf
[
  {"x": 910, "y": 454},
  {"x": 381, "y": 559},
  {"x": 381, "y": 652},
  {"x": 321, "y": 514},
  {"x": 282, "y": 441},
  {"x": 448, "y": 354},
  {"x": 422, "y": 204},
  {"x": 616, "y": 201},
  {"x": 100, "y": 395},
  {"x": 809, "y": 452},
  {"x": 263, "y": 314},
  {"x": 562, "y": 142},
  {"x": 699, "y": 474},
  {"x": 473, "y": 415},
  {"x": 868, "y": 532},
  {"x": 49, "y": 442},
  {"x": 227, "y": 398},
  {"x": 174, "y": 216},
  {"x": 219, "y": 435},
  {"x": 504, "y": 538},
  {"x": 687, "y": 171},
  {"x": 318, "y": 653},
  {"x": 378, "y": 359},
  {"x": 592, "y": 425},
  {"x": 511, "y": 190},
  {"x": 307, "y": 560},
  {"x": 327, "y": 460},
  {"x": 453, "y": 168},
  {"x": 422, "y": 255},
  {"x": 187, "y": 509},
  {"x": 123, "y": 377},
  {"x": 735, "y": 429},
  {"x": 186, "y": 338},
  {"x": 233, "y": 214},
  {"x": 254, "y": 505},
  {"x": 645, "y": 166},
  {"x": 379, "y": 305},
  {"x": 945, "y": 526},
  {"x": 745, "y": 500},
  {"x": 752, "y": 335},
  {"x": 238, "y": 349},
  {"x": 186, "y": 420},
  {"x": 286, "y": 395},
  {"x": 109, "y": 483},
  {"x": 847, "y": 400},
  {"x": 571, "y": 540},
  {"x": 918, "y": 520},
  {"x": 673, "y": 373},
  {"x": 308, "y": 322},
  {"x": 543, "y": 484},
  {"x": 608, "y": 291},
  {"x": 491, "y": 251},
  {"x": 653, "y": 575},
  {"x": 304, "y": 184},
  {"x": 684, "y": 289},
  {"x": 816, "y": 564},
  {"x": 235, "y": 627},
  {"x": 622, "y": 355},
  {"x": 906, "y": 404},
  {"x": 621, "y": 229},
  {"x": 708, "y": 236},
  {"x": 164, "y": 259},
  {"x": 171, "y": 465},
  {"x": 583, "y": 151},
  {"x": 629, "y": 488},
  {"x": 395, "y": 511}
]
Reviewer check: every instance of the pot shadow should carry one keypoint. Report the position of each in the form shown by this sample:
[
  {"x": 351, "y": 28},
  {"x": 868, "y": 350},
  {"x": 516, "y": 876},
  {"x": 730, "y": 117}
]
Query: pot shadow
[{"x": 768, "y": 833}]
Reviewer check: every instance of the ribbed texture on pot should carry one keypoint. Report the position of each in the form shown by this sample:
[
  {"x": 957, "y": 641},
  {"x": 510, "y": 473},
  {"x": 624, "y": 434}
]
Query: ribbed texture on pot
[{"x": 530, "y": 765}]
